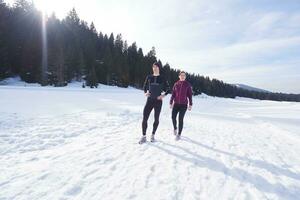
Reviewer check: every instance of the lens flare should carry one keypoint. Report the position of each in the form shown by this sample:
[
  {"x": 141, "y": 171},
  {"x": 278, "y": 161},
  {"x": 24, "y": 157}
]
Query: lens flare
[{"x": 44, "y": 49}]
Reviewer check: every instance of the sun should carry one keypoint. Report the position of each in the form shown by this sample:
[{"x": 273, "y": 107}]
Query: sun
[
  {"x": 45, "y": 6},
  {"x": 54, "y": 6}
]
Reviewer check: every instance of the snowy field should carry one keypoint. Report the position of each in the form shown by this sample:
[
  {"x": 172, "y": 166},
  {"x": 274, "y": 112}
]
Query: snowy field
[{"x": 75, "y": 143}]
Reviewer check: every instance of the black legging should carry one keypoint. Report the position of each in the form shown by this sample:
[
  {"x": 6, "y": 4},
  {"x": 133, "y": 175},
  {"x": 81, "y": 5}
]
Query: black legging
[
  {"x": 181, "y": 108},
  {"x": 150, "y": 104}
]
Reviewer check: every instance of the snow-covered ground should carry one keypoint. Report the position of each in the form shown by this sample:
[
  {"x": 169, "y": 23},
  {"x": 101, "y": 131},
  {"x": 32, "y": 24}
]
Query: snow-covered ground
[{"x": 75, "y": 143}]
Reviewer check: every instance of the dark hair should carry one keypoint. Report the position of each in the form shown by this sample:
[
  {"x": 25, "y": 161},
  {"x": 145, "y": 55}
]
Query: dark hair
[
  {"x": 158, "y": 65},
  {"x": 181, "y": 72}
]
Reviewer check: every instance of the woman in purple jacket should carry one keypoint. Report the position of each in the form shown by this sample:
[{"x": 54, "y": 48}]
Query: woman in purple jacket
[{"x": 181, "y": 97}]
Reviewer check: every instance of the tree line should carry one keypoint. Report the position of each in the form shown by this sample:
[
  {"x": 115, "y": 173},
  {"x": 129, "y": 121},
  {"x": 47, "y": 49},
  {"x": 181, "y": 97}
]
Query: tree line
[{"x": 77, "y": 51}]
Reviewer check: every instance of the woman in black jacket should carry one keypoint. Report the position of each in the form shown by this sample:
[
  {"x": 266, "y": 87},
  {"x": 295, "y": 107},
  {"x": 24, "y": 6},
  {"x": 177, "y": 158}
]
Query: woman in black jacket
[{"x": 156, "y": 88}]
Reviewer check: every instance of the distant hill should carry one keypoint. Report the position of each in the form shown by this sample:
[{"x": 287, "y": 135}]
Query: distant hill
[{"x": 250, "y": 88}]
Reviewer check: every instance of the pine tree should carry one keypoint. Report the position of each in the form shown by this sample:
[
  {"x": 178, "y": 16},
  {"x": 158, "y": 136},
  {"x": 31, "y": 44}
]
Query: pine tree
[
  {"x": 72, "y": 45},
  {"x": 56, "y": 63},
  {"x": 4, "y": 25}
]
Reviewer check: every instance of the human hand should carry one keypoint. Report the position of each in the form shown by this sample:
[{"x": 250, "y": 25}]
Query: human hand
[{"x": 160, "y": 97}]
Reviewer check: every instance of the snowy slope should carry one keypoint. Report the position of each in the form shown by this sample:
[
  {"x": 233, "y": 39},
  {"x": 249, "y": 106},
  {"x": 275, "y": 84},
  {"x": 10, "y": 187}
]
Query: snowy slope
[{"x": 74, "y": 143}]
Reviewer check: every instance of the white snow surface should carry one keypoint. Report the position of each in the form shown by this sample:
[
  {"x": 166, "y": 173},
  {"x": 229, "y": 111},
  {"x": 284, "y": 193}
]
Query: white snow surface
[{"x": 82, "y": 143}]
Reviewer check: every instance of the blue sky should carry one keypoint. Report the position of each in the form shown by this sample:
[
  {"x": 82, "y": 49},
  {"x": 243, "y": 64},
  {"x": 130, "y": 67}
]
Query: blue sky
[{"x": 250, "y": 42}]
